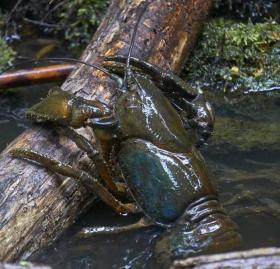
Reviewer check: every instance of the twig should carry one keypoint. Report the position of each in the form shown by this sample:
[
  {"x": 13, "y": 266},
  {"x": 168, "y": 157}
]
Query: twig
[
  {"x": 53, "y": 9},
  {"x": 11, "y": 13},
  {"x": 250, "y": 195},
  {"x": 254, "y": 210},
  {"x": 271, "y": 89},
  {"x": 254, "y": 258},
  {"x": 40, "y": 23}
]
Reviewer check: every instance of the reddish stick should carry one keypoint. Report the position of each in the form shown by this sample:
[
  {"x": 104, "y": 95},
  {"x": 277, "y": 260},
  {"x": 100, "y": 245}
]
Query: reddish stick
[{"x": 37, "y": 75}]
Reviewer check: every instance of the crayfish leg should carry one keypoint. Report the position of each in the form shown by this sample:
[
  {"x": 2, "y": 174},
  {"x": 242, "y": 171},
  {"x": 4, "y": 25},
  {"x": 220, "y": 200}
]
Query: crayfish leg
[
  {"x": 87, "y": 180},
  {"x": 167, "y": 81},
  {"x": 101, "y": 166},
  {"x": 90, "y": 232}
]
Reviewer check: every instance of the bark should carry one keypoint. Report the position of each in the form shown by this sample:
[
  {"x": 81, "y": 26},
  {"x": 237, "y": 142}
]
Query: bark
[
  {"x": 250, "y": 259},
  {"x": 18, "y": 266},
  {"x": 37, "y": 206},
  {"x": 31, "y": 76}
]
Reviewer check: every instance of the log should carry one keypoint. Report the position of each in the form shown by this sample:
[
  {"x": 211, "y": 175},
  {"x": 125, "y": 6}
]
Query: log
[
  {"x": 37, "y": 75},
  {"x": 37, "y": 206},
  {"x": 249, "y": 259},
  {"x": 22, "y": 266}
]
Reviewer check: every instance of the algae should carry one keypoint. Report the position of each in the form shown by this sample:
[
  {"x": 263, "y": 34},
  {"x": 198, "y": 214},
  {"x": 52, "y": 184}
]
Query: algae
[{"x": 246, "y": 135}]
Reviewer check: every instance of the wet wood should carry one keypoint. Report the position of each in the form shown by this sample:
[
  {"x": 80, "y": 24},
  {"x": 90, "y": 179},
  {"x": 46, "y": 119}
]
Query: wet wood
[
  {"x": 23, "y": 266},
  {"x": 37, "y": 75},
  {"x": 37, "y": 206},
  {"x": 249, "y": 259}
]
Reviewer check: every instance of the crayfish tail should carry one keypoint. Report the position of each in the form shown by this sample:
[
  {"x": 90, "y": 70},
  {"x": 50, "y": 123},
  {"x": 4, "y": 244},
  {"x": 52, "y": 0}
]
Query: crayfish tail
[{"x": 204, "y": 228}]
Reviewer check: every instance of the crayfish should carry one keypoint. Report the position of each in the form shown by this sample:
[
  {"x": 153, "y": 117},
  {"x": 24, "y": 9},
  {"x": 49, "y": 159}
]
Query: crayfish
[{"x": 153, "y": 142}]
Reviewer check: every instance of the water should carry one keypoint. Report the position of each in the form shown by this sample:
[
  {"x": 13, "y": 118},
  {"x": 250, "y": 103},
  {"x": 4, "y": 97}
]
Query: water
[
  {"x": 253, "y": 172},
  {"x": 12, "y": 110},
  {"x": 239, "y": 166}
]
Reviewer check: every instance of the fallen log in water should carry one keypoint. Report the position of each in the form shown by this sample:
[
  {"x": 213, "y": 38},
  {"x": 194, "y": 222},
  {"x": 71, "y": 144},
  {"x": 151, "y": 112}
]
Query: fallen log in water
[
  {"x": 37, "y": 206},
  {"x": 249, "y": 259}
]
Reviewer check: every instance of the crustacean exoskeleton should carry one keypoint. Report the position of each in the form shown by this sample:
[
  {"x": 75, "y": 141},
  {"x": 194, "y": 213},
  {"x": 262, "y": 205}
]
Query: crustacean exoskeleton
[{"x": 164, "y": 173}]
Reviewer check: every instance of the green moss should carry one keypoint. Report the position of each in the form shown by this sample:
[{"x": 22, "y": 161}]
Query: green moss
[
  {"x": 7, "y": 54},
  {"x": 72, "y": 20},
  {"x": 79, "y": 18},
  {"x": 237, "y": 56}
]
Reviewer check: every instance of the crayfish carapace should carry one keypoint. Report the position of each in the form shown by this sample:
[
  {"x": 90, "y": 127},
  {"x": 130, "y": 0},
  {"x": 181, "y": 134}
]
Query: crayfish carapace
[{"x": 153, "y": 142}]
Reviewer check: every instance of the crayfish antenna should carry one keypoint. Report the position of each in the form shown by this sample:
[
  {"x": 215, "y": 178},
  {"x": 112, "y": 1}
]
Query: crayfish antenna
[
  {"x": 65, "y": 59},
  {"x": 128, "y": 72}
]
